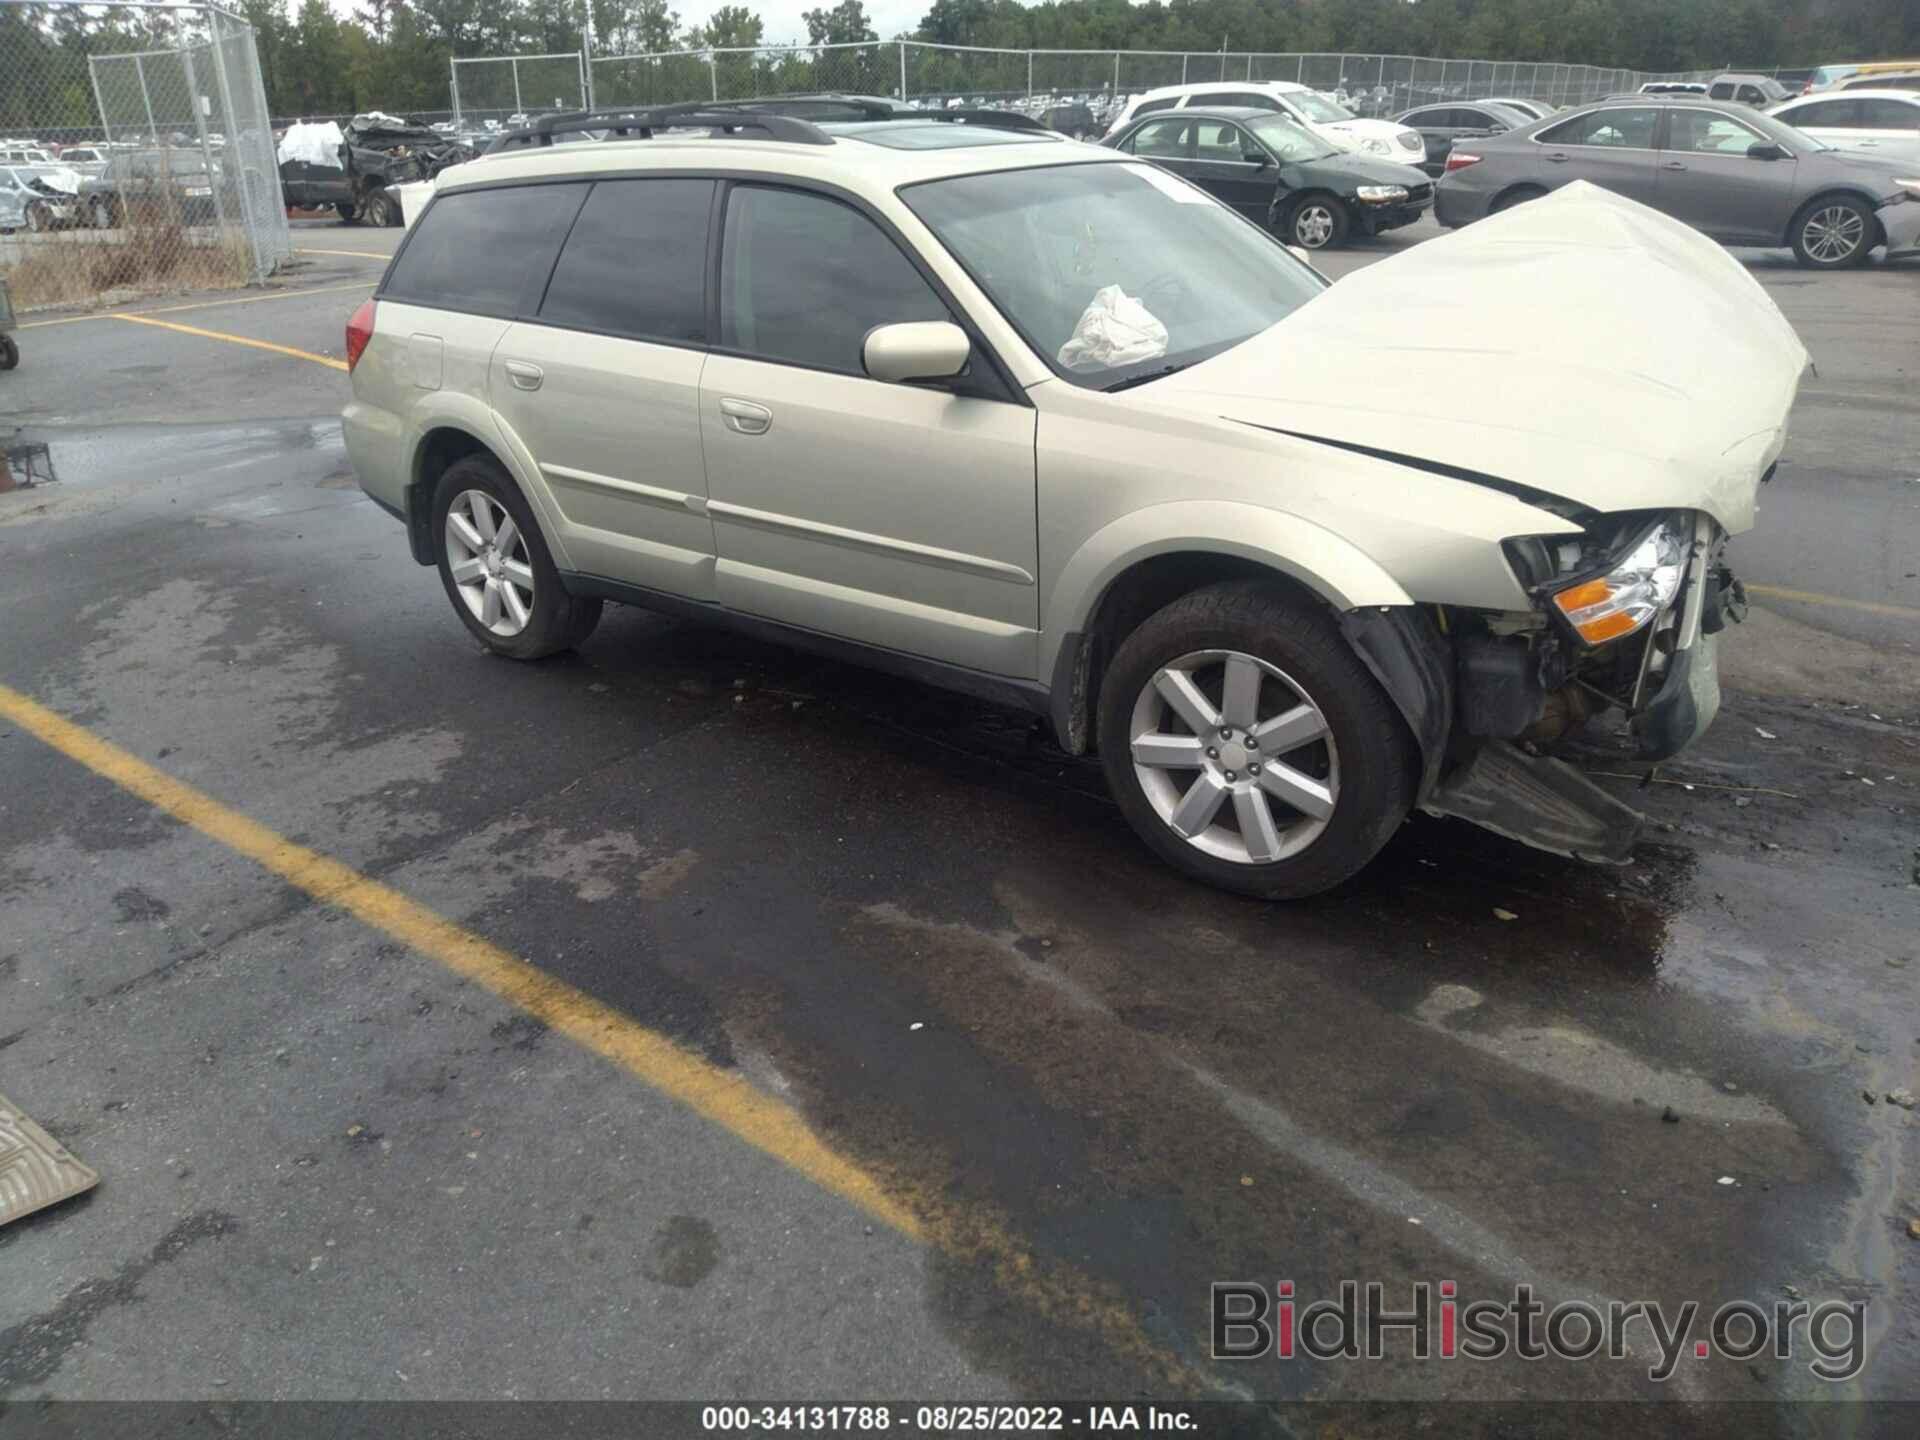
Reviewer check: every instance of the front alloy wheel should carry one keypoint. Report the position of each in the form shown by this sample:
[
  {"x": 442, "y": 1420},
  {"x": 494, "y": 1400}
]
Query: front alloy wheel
[
  {"x": 1833, "y": 233},
  {"x": 1235, "y": 757},
  {"x": 487, "y": 560}
]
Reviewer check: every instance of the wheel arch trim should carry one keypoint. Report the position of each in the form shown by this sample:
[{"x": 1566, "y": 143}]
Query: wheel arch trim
[{"x": 445, "y": 410}]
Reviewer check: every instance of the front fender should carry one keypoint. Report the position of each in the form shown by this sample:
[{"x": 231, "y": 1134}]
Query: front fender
[{"x": 1335, "y": 569}]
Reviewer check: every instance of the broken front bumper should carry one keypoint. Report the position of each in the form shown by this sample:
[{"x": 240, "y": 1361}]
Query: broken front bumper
[{"x": 1683, "y": 704}]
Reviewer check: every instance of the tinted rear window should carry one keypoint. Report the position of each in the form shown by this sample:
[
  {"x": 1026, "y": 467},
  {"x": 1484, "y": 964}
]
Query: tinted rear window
[
  {"x": 635, "y": 262},
  {"x": 486, "y": 251}
]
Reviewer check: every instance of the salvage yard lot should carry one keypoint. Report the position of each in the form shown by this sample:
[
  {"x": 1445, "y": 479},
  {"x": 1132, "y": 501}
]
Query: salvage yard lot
[{"x": 966, "y": 1096}]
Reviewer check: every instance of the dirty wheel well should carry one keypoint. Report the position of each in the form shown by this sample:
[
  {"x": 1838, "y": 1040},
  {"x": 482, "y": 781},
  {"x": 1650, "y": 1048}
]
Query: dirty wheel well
[
  {"x": 1140, "y": 592},
  {"x": 442, "y": 448}
]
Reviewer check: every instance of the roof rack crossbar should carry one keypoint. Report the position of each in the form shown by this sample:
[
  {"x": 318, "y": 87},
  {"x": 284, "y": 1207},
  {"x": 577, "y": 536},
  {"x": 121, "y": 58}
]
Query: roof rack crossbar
[
  {"x": 989, "y": 119},
  {"x": 642, "y": 122}
]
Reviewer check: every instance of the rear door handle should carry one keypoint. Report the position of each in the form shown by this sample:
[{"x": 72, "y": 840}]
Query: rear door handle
[
  {"x": 743, "y": 417},
  {"x": 525, "y": 376},
  {"x": 1559, "y": 157},
  {"x": 1673, "y": 165}
]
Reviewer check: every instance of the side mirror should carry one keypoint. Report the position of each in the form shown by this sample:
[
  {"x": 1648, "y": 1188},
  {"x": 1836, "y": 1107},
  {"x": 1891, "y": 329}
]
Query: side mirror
[
  {"x": 1765, "y": 150},
  {"x": 1255, "y": 158},
  {"x": 916, "y": 350}
]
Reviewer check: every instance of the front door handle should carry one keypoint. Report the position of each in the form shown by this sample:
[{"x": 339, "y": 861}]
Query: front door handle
[
  {"x": 1673, "y": 165},
  {"x": 1559, "y": 157},
  {"x": 743, "y": 417},
  {"x": 525, "y": 376}
]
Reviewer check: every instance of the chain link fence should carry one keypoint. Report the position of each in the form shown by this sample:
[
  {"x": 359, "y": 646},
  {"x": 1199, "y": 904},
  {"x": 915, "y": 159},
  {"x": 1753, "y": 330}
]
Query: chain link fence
[
  {"x": 136, "y": 156},
  {"x": 1036, "y": 80},
  {"x": 500, "y": 88}
]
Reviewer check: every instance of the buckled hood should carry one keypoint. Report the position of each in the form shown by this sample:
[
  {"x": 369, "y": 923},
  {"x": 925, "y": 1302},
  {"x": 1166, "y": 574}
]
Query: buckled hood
[{"x": 1581, "y": 345}]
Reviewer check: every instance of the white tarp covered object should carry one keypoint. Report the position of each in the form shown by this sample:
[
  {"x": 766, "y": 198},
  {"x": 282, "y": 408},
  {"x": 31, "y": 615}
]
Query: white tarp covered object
[
  {"x": 1115, "y": 329},
  {"x": 316, "y": 144},
  {"x": 60, "y": 177},
  {"x": 1581, "y": 344}
]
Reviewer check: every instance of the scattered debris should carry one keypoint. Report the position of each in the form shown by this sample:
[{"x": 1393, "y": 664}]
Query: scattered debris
[
  {"x": 1413, "y": 1219},
  {"x": 1726, "y": 1180},
  {"x": 1765, "y": 734},
  {"x": 1246, "y": 1179},
  {"x": 1792, "y": 1292},
  {"x": 1903, "y": 1098},
  {"x": 1913, "y": 1228},
  {"x": 1500, "y": 914},
  {"x": 1730, "y": 1087},
  {"x": 1670, "y": 1116},
  {"x": 1869, "y": 1097}
]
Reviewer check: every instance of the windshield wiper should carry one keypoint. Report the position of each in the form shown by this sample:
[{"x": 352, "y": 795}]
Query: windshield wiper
[{"x": 1133, "y": 380}]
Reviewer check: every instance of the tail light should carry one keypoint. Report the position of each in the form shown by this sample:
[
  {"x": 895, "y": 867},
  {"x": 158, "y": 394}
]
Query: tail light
[
  {"x": 1459, "y": 160},
  {"x": 359, "y": 332}
]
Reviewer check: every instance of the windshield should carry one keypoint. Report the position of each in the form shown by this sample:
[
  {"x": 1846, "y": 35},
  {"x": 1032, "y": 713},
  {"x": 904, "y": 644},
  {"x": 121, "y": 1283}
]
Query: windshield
[
  {"x": 1318, "y": 108},
  {"x": 1113, "y": 272},
  {"x": 1289, "y": 141}
]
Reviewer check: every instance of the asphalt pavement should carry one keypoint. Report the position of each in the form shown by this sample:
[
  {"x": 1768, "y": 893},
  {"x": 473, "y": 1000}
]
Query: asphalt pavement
[{"x": 687, "y": 1018}]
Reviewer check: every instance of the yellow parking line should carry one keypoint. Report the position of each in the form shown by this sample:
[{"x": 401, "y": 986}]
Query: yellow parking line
[
  {"x": 1810, "y": 597},
  {"x": 286, "y": 294},
  {"x": 976, "y": 1239},
  {"x": 722, "y": 1096},
  {"x": 238, "y": 340}
]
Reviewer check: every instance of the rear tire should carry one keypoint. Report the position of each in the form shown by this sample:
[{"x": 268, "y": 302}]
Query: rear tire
[
  {"x": 1519, "y": 195},
  {"x": 1833, "y": 232},
  {"x": 505, "y": 588},
  {"x": 344, "y": 209},
  {"x": 1280, "y": 820},
  {"x": 380, "y": 209}
]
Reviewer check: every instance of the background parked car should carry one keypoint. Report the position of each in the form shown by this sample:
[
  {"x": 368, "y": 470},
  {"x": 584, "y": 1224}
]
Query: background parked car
[
  {"x": 1280, "y": 174},
  {"x": 1908, "y": 80},
  {"x": 1674, "y": 87},
  {"x": 1075, "y": 120},
  {"x": 84, "y": 159},
  {"x": 1878, "y": 122},
  {"x": 1755, "y": 90},
  {"x": 46, "y": 197},
  {"x": 1532, "y": 109},
  {"x": 1340, "y": 127},
  {"x": 1441, "y": 125},
  {"x": 166, "y": 186},
  {"x": 1736, "y": 174}
]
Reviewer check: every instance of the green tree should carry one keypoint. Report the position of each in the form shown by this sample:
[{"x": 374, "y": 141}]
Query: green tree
[{"x": 845, "y": 24}]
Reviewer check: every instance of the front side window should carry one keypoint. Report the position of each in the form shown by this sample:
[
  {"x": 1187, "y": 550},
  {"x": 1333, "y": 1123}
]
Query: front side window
[
  {"x": 1627, "y": 128},
  {"x": 1827, "y": 114},
  {"x": 635, "y": 262},
  {"x": 1052, "y": 245},
  {"x": 1702, "y": 132},
  {"x": 1161, "y": 140},
  {"x": 803, "y": 279},
  {"x": 484, "y": 251},
  {"x": 1221, "y": 140}
]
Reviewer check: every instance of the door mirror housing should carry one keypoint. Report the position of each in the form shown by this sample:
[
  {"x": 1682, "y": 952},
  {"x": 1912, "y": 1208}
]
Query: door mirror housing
[
  {"x": 1765, "y": 150},
  {"x": 1255, "y": 158},
  {"x": 916, "y": 350}
]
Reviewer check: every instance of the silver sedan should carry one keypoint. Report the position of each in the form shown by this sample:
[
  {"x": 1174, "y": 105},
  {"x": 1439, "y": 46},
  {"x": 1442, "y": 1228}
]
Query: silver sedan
[{"x": 1739, "y": 176}]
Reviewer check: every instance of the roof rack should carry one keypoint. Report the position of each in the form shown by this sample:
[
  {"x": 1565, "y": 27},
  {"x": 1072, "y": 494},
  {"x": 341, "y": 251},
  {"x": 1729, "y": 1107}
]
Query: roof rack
[
  {"x": 989, "y": 119},
  {"x": 641, "y": 123}
]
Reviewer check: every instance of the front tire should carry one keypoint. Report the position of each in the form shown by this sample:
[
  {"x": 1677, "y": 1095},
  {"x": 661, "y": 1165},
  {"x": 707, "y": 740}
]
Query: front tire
[
  {"x": 380, "y": 210},
  {"x": 1833, "y": 232},
  {"x": 1248, "y": 745},
  {"x": 496, "y": 569},
  {"x": 1318, "y": 222},
  {"x": 344, "y": 209}
]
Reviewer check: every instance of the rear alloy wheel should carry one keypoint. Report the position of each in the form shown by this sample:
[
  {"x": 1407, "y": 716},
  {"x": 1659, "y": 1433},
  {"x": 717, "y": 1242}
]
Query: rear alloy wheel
[
  {"x": 1833, "y": 233},
  {"x": 496, "y": 569},
  {"x": 100, "y": 213},
  {"x": 1318, "y": 222},
  {"x": 1248, "y": 745}
]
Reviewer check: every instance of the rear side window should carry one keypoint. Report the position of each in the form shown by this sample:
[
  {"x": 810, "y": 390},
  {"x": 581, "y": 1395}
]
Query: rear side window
[
  {"x": 1720, "y": 92},
  {"x": 635, "y": 262},
  {"x": 803, "y": 278},
  {"x": 485, "y": 251},
  {"x": 1630, "y": 128},
  {"x": 1252, "y": 98},
  {"x": 1888, "y": 115},
  {"x": 1148, "y": 107}
]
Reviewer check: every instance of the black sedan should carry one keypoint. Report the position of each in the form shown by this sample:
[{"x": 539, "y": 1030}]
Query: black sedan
[{"x": 1280, "y": 173}]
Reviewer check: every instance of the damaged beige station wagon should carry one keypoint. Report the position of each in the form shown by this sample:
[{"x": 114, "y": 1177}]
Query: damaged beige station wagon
[{"x": 1039, "y": 422}]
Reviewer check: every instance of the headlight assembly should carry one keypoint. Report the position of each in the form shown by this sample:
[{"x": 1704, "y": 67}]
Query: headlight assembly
[
  {"x": 1638, "y": 587},
  {"x": 1381, "y": 194}
]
